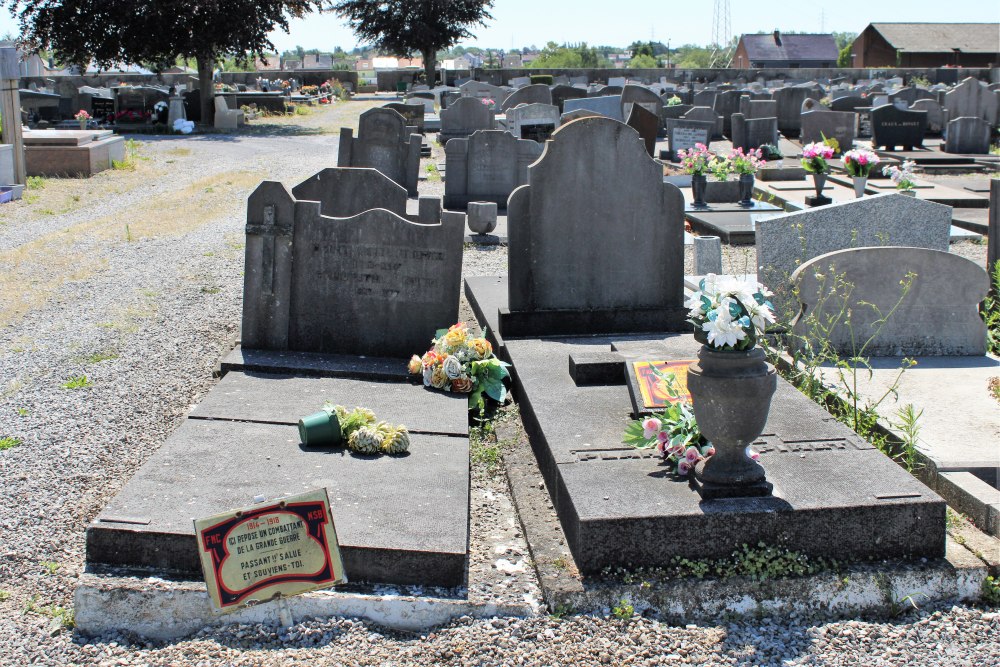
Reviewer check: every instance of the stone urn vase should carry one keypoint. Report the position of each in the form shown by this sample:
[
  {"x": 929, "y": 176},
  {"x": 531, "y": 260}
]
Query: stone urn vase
[
  {"x": 819, "y": 180},
  {"x": 731, "y": 396},
  {"x": 859, "y": 186},
  {"x": 699, "y": 183},
  {"x": 83, "y": 124},
  {"x": 746, "y": 189}
]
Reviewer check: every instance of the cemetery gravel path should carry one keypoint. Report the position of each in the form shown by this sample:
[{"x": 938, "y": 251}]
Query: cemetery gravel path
[{"x": 137, "y": 320}]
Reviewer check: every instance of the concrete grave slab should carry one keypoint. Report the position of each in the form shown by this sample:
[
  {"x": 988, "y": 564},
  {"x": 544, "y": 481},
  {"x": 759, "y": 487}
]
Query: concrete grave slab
[
  {"x": 251, "y": 397},
  {"x": 312, "y": 364},
  {"x": 619, "y": 507},
  {"x": 399, "y": 519}
]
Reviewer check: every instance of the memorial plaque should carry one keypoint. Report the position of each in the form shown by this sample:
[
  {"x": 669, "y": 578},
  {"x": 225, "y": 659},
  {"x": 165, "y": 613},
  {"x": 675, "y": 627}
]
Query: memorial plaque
[
  {"x": 684, "y": 134},
  {"x": 280, "y": 549},
  {"x": 649, "y": 389}
]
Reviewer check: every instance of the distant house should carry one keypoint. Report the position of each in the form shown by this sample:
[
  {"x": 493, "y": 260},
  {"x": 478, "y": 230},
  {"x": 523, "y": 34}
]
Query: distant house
[
  {"x": 273, "y": 63},
  {"x": 927, "y": 45},
  {"x": 291, "y": 63},
  {"x": 778, "y": 50},
  {"x": 317, "y": 61},
  {"x": 363, "y": 65},
  {"x": 418, "y": 63}
]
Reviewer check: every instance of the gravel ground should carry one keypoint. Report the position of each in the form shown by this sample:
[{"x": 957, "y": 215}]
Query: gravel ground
[{"x": 109, "y": 334}]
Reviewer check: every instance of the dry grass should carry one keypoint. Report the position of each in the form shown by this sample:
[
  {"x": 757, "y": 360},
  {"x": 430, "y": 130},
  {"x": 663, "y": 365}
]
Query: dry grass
[
  {"x": 323, "y": 119},
  {"x": 33, "y": 272}
]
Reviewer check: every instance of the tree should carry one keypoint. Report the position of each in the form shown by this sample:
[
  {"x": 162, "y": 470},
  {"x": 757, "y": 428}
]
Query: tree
[
  {"x": 403, "y": 27},
  {"x": 844, "y": 58},
  {"x": 643, "y": 61},
  {"x": 154, "y": 34}
]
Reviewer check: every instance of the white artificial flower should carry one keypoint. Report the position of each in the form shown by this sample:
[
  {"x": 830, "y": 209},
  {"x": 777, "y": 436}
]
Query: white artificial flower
[
  {"x": 759, "y": 315},
  {"x": 723, "y": 330},
  {"x": 452, "y": 367}
]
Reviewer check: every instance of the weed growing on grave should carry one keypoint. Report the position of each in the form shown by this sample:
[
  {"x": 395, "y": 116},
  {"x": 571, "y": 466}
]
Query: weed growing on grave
[
  {"x": 23, "y": 412},
  {"x": 561, "y": 610},
  {"x": 128, "y": 161},
  {"x": 77, "y": 382},
  {"x": 9, "y": 442},
  {"x": 35, "y": 182},
  {"x": 909, "y": 429},
  {"x": 210, "y": 290},
  {"x": 813, "y": 351},
  {"x": 990, "y": 593},
  {"x": 4, "y": 596},
  {"x": 61, "y": 615},
  {"x": 50, "y": 566},
  {"x": 991, "y": 311},
  {"x": 623, "y": 610},
  {"x": 760, "y": 562},
  {"x": 128, "y": 234},
  {"x": 301, "y": 110},
  {"x": 432, "y": 173}
]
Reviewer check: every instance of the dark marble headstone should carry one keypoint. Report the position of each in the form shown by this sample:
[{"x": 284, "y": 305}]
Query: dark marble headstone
[
  {"x": 753, "y": 133},
  {"x": 892, "y": 126},
  {"x": 562, "y": 93},
  {"x": 683, "y": 134},
  {"x": 647, "y": 124},
  {"x": 967, "y": 135}
]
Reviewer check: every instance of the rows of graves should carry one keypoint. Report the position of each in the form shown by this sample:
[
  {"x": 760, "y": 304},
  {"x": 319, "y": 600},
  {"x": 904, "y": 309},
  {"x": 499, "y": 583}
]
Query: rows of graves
[{"x": 342, "y": 285}]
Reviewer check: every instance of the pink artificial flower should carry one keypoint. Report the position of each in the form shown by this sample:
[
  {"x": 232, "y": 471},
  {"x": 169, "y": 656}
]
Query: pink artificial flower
[
  {"x": 708, "y": 450},
  {"x": 677, "y": 450},
  {"x": 650, "y": 427},
  {"x": 661, "y": 447},
  {"x": 683, "y": 467},
  {"x": 862, "y": 159},
  {"x": 692, "y": 455},
  {"x": 754, "y": 455},
  {"x": 663, "y": 437}
]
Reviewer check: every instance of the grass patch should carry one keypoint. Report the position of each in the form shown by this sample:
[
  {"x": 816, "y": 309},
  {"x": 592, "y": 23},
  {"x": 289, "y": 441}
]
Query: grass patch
[
  {"x": 179, "y": 152},
  {"x": 210, "y": 290},
  {"x": 4, "y": 596},
  {"x": 433, "y": 174},
  {"x": 51, "y": 567},
  {"x": 35, "y": 182},
  {"x": 98, "y": 357},
  {"x": 77, "y": 382},
  {"x": 9, "y": 442},
  {"x": 131, "y": 157}
]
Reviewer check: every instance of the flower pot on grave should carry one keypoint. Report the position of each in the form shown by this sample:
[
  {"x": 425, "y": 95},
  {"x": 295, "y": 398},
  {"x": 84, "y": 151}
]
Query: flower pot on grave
[
  {"x": 731, "y": 396},
  {"x": 320, "y": 429},
  {"x": 699, "y": 182},
  {"x": 907, "y": 193},
  {"x": 819, "y": 180},
  {"x": 83, "y": 125},
  {"x": 859, "y": 186},
  {"x": 746, "y": 189}
]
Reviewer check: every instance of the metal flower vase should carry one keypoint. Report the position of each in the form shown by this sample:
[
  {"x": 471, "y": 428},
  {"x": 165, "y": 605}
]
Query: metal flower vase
[
  {"x": 859, "y": 186},
  {"x": 819, "y": 180},
  {"x": 731, "y": 395},
  {"x": 746, "y": 189},
  {"x": 699, "y": 183}
]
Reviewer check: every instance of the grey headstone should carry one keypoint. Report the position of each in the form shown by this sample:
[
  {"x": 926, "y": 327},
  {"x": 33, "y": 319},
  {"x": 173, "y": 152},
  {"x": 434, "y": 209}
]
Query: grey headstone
[
  {"x": 610, "y": 105},
  {"x": 849, "y": 103},
  {"x": 751, "y": 108},
  {"x": 413, "y": 112},
  {"x": 839, "y": 125},
  {"x": 533, "y": 94},
  {"x": 967, "y": 135},
  {"x": 644, "y": 97},
  {"x": 935, "y": 114},
  {"x": 893, "y": 127},
  {"x": 533, "y": 121},
  {"x": 383, "y": 143},
  {"x": 619, "y": 199},
  {"x": 484, "y": 91},
  {"x": 937, "y": 316},
  {"x": 576, "y": 115},
  {"x": 753, "y": 133},
  {"x": 705, "y": 114},
  {"x": 683, "y": 134},
  {"x": 562, "y": 93},
  {"x": 465, "y": 116},
  {"x": 785, "y": 242},
  {"x": 486, "y": 166},
  {"x": 704, "y": 98},
  {"x": 344, "y": 285},
  {"x": 343, "y": 192},
  {"x": 727, "y": 103},
  {"x": 789, "y": 103},
  {"x": 972, "y": 98}
]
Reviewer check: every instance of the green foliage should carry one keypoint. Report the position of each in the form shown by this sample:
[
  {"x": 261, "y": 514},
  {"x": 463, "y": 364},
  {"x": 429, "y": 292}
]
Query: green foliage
[
  {"x": 105, "y": 355},
  {"x": 760, "y": 562},
  {"x": 909, "y": 428},
  {"x": 4, "y": 595},
  {"x": 9, "y": 442},
  {"x": 544, "y": 79},
  {"x": 991, "y": 311},
  {"x": 433, "y": 175},
  {"x": 77, "y": 382},
  {"x": 50, "y": 566},
  {"x": 402, "y": 27},
  {"x": 991, "y": 591},
  {"x": 35, "y": 182},
  {"x": 561, "y": 610},
  {"x": 568, "y": 56},
  {"x": 813, "y": 351},
  {"x": 623, "y": 611},
  {"x": 844, "y": 57},
  {"x": 643, "y": 61}
]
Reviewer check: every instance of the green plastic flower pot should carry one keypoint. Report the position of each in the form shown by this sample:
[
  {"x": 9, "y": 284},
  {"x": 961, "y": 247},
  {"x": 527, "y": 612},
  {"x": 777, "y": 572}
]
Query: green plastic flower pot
[{"x": 320, "y": 429}]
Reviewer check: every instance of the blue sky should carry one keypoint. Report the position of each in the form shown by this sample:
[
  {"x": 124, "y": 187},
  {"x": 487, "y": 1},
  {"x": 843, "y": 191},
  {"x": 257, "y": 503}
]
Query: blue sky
[{"x": 520, "y": 23}]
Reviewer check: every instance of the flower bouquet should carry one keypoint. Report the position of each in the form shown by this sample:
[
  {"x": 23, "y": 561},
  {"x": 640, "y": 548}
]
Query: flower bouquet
[
  {"x": 747, "y": 163},
  {"x": 696, "y": 161},
  {"x": 728, "y": 312},
  {"x": 815, "y": 156},
  {"x": 335, "y": 424},
  {"x": 859, "y": 163},
  {"x": 674, "y": 432},
  {"x": 902, "y": 175},
  {"x": 462, "y": 363}
]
